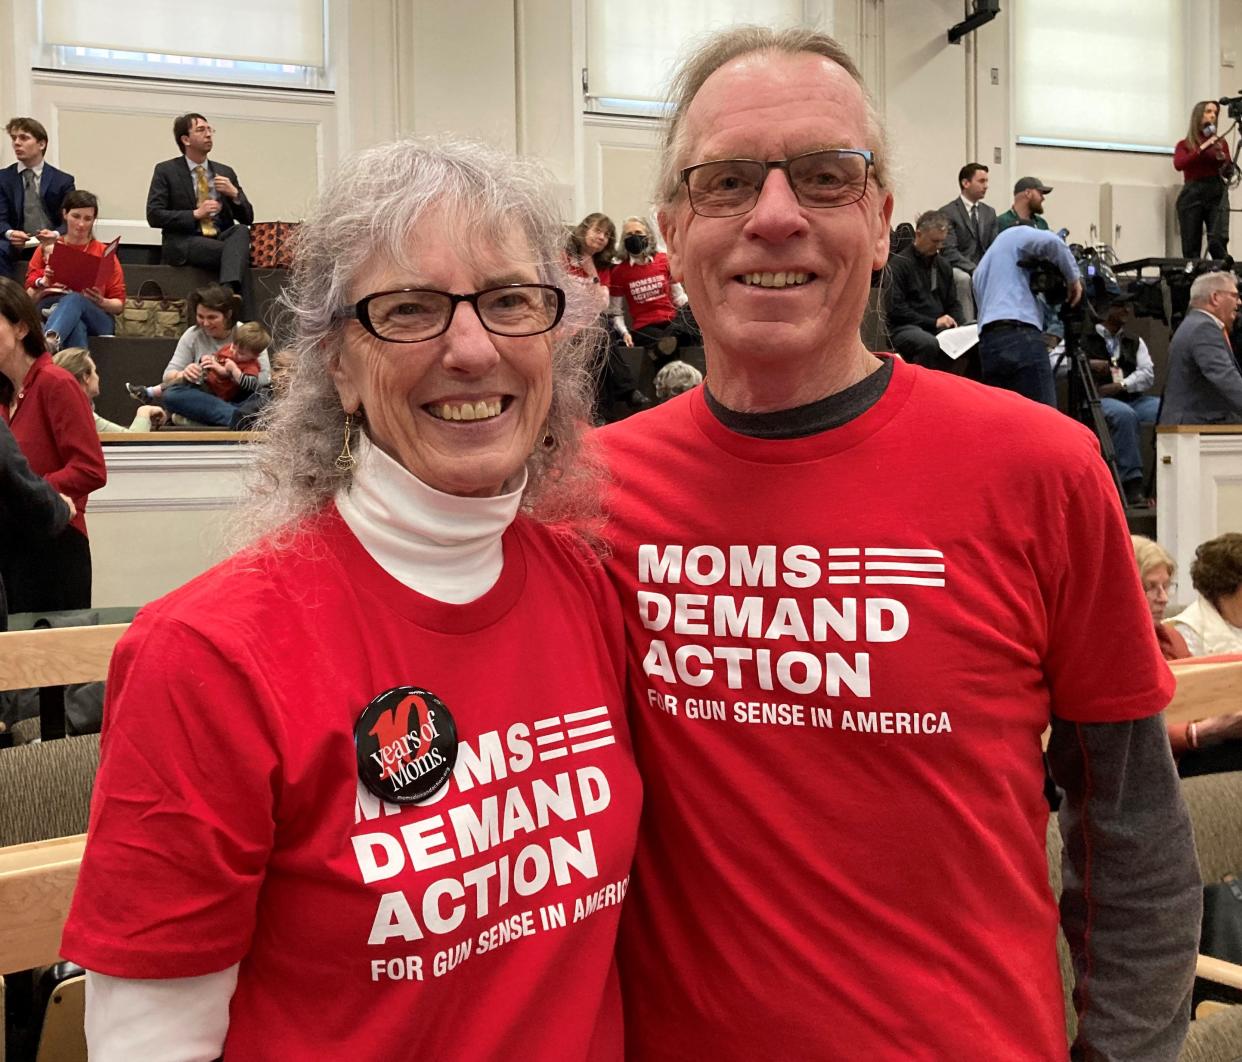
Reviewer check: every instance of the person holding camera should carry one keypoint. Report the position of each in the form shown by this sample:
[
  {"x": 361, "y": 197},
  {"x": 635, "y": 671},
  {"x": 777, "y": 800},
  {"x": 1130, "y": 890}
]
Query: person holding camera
[
  {"x": 1011, "y": 319},
  {"x": 1202, "y": 202}
]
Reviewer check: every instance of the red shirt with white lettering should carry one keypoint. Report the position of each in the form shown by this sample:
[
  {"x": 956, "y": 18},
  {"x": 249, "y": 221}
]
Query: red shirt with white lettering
[
  {"x": 228, "y": 825},
  {"x": 843, "y": 651},
  {"x": 647, "y": 289}
]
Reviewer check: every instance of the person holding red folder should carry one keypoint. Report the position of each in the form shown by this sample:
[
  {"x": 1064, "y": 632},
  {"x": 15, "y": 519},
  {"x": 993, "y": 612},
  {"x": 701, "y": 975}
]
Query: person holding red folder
[{"x": 76, "y": 315}]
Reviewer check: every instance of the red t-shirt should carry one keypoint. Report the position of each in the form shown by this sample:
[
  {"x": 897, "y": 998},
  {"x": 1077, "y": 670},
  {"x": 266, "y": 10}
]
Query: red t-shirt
[
  {"x": 647, "y": 289},
  {"x": 54, "y": 426},
  {"x": 843, "y": 651},
  {"x": 228, "y": 824},
  {"x": 223, "y": 386}
]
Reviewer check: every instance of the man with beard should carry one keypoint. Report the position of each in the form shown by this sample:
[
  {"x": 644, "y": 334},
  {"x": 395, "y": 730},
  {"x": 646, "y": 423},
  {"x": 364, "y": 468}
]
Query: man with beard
[{"x": 1028, "y": 205}]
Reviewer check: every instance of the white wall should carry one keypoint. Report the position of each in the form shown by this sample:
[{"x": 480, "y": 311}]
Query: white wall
[{"x": 509, "y": 71}]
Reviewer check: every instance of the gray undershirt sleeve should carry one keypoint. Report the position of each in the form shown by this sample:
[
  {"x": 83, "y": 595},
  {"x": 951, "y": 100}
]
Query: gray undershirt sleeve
[{"x": 1132, "y": 900}]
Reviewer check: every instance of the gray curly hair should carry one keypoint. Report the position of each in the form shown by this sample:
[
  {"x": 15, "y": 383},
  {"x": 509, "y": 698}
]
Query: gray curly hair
[
  {"x": 730, "y": 44},
  {"x": 365, "y": 213}
]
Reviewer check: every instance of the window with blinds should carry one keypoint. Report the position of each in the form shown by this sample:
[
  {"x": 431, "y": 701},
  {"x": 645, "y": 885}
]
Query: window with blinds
[
  {"x": 633, "y": 47},
  {"x": 1108, "y": 74},
  {"x": 280, "y": 42}
]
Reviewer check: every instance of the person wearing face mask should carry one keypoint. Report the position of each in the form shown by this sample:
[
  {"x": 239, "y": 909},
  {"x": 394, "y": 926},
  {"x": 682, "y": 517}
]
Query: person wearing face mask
[
  {"x": 590, "y": 255},
  {"x": 642, "y": 286},
  {"x": 1202, "y": 203}
]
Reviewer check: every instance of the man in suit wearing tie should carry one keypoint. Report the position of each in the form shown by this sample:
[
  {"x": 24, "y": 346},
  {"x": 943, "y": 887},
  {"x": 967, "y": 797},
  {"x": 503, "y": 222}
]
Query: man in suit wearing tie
[
  {"x": 972, "y": 228},
  {"x": 31, "y": 193},
  {"x": 1204, "y": 385},
  {"x": 200, "y": 206}
]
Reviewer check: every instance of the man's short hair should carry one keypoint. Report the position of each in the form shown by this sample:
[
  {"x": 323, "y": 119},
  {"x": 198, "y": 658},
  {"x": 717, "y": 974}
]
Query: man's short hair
[
  {"x": 182, "y": 126},
  {"x": 733, "y": 43},
  {"x": 967, "y": 172},
  {"x": 931, "y": 220},
  {"x": 28, "y": 125},
  {"x": 1205, "y": 284},
  {"x": 251, "y": 336}
]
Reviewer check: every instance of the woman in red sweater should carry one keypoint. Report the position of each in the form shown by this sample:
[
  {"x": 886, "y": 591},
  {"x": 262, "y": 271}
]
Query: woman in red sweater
[
  {"x": 51, "y": 420},
  {"x": 1202, "y": 202},
  {"x": 76, "y": 315}
]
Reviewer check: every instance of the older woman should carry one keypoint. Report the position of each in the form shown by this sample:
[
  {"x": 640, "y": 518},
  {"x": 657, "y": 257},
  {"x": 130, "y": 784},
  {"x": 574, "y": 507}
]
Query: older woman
[
  {"x": 51, "y": 420},
  {"x": 215, "y": 310},
  {"x": 1210, "y": 744},
  {"x": 366, "y": 788}
]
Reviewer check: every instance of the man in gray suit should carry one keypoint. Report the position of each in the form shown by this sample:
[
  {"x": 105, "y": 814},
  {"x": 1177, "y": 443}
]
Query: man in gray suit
[
  {"x": 972, "y": 228},
  {"x": 1204, "y": 384}
]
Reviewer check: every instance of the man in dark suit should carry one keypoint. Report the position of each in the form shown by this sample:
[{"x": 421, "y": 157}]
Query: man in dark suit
[
  {"x": 972, "y": 228},
  {"x": 1204, "y": 385},
  {"x": 200, "y": 206},
  {"x": 22, "y": 216}
]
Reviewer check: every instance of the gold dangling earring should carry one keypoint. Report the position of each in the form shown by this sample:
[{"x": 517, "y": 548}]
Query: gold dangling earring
[{"x": 345, "y": 461}]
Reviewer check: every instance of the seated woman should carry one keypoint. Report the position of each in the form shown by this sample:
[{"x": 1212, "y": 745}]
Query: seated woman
[
  {"x": 1205, "y": 745},
  {"x": 187, "y": 390},
  {"x": 51, "y": 420},
  {"x": 642, "y": 285},
  {"x": 78, "y": 362},
  {"x": 590, "y": 256},
  {"x": 362, "y": 783},
  {"x": 76, "y": 315}
]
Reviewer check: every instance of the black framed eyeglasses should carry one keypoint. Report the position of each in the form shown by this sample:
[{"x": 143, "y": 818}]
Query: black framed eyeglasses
[
  {"x": 820, "y": 179},
  {"x": 413, "y": 315}
]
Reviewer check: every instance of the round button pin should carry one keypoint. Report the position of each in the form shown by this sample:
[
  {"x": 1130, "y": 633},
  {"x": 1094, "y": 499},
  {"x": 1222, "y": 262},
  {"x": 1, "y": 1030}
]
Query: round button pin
[{"x": 406, "y": 743}]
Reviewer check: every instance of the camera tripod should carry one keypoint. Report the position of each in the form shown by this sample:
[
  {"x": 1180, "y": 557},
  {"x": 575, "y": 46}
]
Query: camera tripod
[{"x": 1084, "y": 396}]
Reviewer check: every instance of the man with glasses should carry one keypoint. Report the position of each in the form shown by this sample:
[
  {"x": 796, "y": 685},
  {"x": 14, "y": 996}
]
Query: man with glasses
[
  {"x": 1204, "y": 385},
  {"x": 200, "y": 206},
  {"x": 857, "y": 593}
]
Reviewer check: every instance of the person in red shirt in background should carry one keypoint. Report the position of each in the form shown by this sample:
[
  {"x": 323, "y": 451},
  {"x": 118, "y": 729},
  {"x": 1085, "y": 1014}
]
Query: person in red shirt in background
[
  {"x": 51, "y": 420},
  {"x": 642, "y": 286},
  {"x": 76, "y": 315},
  {"x": 590, "y": 256},
  {"x": 1202, "y": 202},
  {"x": 234, "y": 368}
]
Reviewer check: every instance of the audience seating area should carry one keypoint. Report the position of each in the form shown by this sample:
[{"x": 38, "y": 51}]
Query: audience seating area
[{"x": 122, "y": 359}]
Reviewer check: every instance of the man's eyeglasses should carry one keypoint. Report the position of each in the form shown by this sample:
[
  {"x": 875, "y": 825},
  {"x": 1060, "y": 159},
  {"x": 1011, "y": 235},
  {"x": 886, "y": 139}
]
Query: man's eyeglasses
[
  {"x": 819, "y": 179},
  {"x": 413, "y": 315}
]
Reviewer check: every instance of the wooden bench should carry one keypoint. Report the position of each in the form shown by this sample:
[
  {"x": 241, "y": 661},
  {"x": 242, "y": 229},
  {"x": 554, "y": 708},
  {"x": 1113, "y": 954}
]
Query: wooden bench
[{"x": 38, "y": 876}]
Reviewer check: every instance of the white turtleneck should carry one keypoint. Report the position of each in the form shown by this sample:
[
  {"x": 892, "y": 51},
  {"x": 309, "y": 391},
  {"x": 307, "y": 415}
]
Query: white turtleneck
[{"x": 443, "y": 546}]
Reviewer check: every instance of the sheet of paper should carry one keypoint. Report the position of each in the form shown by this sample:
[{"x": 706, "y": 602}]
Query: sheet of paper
[{"x": 956, "y": 341}]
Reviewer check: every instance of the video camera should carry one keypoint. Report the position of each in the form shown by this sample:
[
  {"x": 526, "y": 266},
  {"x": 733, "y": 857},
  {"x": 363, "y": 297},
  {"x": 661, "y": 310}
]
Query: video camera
[
  {"x": 1099, "y": 282},
  {"x": 1232, "y": 106}
]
